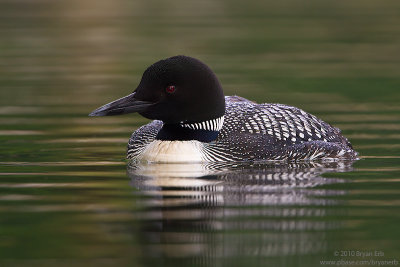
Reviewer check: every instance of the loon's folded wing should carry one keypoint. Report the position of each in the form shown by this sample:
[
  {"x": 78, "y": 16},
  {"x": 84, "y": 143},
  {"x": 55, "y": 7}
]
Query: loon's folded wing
[{"x": 276, "y": 132}]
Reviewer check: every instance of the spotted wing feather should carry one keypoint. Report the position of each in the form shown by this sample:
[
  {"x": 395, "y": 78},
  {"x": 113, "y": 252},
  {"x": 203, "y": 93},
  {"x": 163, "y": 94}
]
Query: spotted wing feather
[{"x": 275, "y": 132}]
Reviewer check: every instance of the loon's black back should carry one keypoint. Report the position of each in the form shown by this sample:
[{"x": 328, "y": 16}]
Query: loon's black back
[{"x": 262, "y": 132}]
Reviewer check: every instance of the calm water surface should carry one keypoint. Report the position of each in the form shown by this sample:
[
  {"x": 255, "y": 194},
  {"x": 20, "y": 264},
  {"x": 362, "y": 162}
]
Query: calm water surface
[{"x": 68, "y": 197}]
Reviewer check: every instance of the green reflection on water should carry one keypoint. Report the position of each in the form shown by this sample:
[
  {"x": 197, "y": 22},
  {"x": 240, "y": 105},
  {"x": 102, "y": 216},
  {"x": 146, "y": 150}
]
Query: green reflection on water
[{"x": 65, "y": 198}]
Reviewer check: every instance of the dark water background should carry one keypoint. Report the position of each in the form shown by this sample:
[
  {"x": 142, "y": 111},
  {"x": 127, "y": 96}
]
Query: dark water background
[{"x": 68, "y": 198}]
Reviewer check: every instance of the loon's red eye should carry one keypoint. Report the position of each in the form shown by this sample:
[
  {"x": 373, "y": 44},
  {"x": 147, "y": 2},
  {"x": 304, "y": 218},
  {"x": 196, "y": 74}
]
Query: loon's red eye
[{"x": 170, "y": 89}]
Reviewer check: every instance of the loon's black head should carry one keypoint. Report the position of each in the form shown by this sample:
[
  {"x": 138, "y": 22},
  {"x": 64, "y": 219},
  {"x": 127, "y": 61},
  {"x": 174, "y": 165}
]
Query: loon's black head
[{"x": 175, "y": 90}]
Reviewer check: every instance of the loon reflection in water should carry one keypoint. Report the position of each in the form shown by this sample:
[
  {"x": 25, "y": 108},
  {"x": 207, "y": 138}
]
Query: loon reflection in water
[
  {"x": 215, "y": 211},
  {"x": 266, "y": 183},
  {"x": 194, "y": 122},
  {"x": 212, "y": 212}
]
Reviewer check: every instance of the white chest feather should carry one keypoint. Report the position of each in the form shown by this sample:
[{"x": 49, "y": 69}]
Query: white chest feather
[{"x": 172, "y": 152}]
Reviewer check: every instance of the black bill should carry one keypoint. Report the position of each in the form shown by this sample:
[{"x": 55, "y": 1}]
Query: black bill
[{"x": 127, "y": 104}]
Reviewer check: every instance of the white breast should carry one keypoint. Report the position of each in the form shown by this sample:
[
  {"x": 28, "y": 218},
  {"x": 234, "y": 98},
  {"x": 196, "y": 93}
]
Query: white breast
[{"x": 172, "y": 152}]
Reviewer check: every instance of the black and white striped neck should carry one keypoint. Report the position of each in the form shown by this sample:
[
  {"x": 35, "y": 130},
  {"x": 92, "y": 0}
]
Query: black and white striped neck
[
  {"x": 205, "y": 131},
  {"x": 210, "y": 125}
]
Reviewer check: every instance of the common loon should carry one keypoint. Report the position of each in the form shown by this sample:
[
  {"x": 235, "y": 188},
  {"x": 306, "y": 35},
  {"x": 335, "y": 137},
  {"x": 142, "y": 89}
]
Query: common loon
[{"x": 194, "y": 122}]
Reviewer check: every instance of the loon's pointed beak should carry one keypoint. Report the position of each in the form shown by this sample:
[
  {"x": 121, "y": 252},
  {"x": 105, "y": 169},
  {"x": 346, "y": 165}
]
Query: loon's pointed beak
[{"x": 126, "y": 104}]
